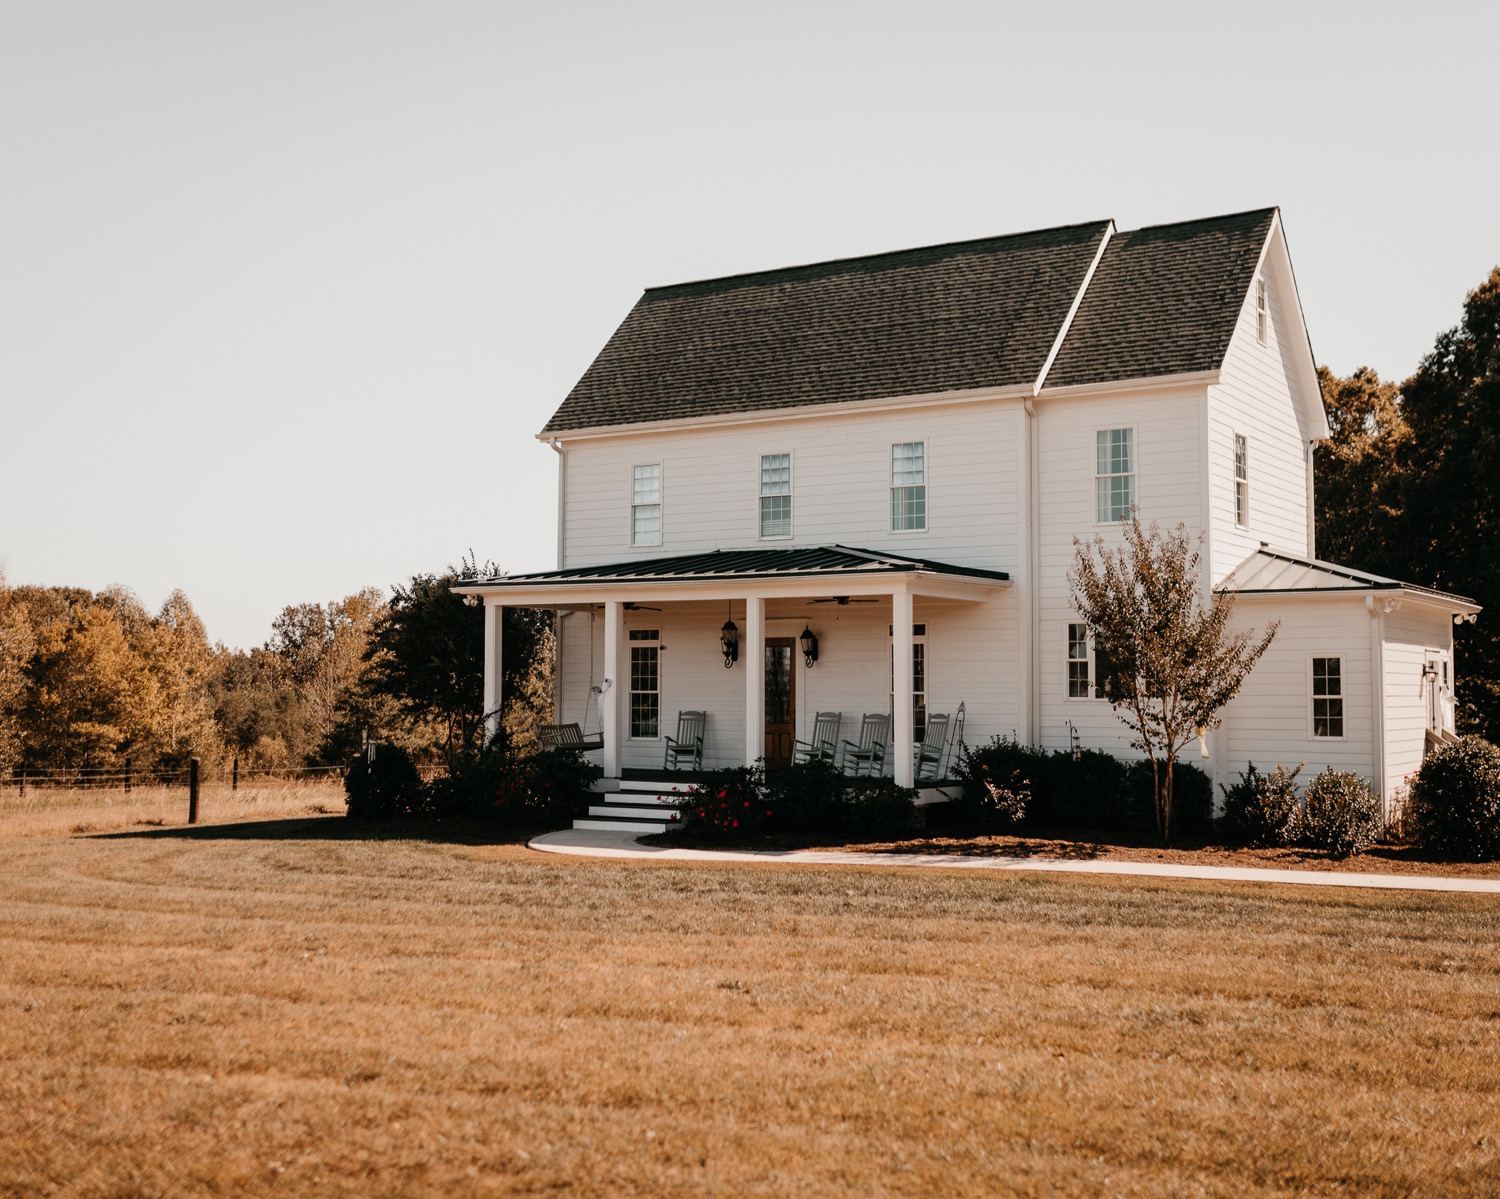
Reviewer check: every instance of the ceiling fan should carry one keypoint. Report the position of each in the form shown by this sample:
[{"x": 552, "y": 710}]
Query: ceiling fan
[
  {"x": 841, "y": 600},
  {"x": 632, "y": 606}
]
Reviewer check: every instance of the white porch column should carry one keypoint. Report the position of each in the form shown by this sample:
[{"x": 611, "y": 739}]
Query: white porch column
[
  {"x": 753, "y": 655},
  {"x": 614, "y": 630},
  {"x": 494, "y": 614},
  {"x": 904, "y": 726}
]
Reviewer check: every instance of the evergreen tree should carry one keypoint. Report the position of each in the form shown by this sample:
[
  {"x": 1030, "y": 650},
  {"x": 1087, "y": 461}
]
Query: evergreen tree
[
  {"x": 1450, "y": 518},
  {"x": 1358, "y": 471}
]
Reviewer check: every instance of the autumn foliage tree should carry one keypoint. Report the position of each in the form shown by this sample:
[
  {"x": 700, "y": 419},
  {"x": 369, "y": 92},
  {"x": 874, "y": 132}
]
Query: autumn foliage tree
[{"x": 1172, "y": 663}]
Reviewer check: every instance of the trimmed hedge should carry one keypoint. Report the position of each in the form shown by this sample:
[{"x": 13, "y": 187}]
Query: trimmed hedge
[
  {"x": 1263, "y": 810},
  {"x": 1340, "y": 814},
  {"x": 1454, "y": 804},
  {"x": 384, "y": 788}
]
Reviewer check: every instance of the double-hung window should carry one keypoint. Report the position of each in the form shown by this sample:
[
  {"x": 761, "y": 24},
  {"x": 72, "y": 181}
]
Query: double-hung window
[
  {"x": 645, "y": 683},
  {"x": 645, "y": 505},
  {"x": 1327, "y": 697},
  {"x": 1114, "y": 474},
  {"x": 1241, "y": 482},
  {"x": 1085, "y": 669},
  {"x": 775, "y": 495},
  {"x": 908, "y": 486},
  {"x": 918, "y": 678}
]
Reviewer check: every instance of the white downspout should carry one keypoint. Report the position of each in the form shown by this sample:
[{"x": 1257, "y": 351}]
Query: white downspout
[
  {"x": 557, "y": 615},
  {"x": 1030, "y": 604},
  {"x": 1312, "y": 512},
  {"x": 1376, "y": 610}
]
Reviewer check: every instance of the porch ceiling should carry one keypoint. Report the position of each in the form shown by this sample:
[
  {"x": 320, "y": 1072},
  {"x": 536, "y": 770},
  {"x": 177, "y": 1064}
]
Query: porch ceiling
[{"x": 812, "y": 571}]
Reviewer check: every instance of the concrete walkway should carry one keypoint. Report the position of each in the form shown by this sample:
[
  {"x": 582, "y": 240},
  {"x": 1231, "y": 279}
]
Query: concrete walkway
[{"x": 588, "y": 843}]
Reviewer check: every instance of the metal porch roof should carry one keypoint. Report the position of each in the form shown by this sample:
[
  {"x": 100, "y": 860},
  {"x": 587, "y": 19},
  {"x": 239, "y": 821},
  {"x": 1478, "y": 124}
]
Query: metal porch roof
[{"x": 821, "y": 560}]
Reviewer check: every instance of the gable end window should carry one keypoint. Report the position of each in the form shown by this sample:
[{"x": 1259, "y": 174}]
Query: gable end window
[
  {"x": 908, "y": 486},
  {"x": 645, "y": 506},
  {"x": 1114, "y": 474},
  {"x": 1262, "y": 313},
  {"x": 1328, "y": 697},
  {"x": 775, "y": 495},
  {"x": 1241, "y": 482}
]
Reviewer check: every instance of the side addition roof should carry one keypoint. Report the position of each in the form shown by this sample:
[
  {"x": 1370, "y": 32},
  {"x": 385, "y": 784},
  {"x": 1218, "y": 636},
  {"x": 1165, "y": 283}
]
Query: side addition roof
[
  {"x": 1164, "y": 300},
  {"x": 916, "y": 322},
  {"x": 1269, "y": 571}
]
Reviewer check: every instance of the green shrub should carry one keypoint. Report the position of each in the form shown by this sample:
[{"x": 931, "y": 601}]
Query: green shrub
[
  {"x": 729, "y": 803},
  {"x": 386, "y": 787},
  {"x": 1341, "y": 814},
  {"x": 1192, "y": 798},
  {"x": 1263, "y": 809},
  {"x": 548, "y": 787},
  {"x": 879, "y": 808},
  {"x": 1454, "y": 804},
  {"x": 807, "y": 797},
  {"x": 1082, "y": 792}
]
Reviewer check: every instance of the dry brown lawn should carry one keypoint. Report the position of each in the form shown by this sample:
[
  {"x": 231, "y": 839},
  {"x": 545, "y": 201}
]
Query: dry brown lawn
[{"x": 292, "y": 1008}]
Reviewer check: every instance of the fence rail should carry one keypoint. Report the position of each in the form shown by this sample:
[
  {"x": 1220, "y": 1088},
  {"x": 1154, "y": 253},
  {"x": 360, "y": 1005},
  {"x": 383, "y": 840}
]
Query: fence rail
[{"x": 124, "y": 779}]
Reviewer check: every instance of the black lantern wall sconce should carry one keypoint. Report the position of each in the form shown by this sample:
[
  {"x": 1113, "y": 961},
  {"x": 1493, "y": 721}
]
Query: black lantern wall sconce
[
  {"x": 729, "y": 641},
  {"x": 809, "y": 643}
]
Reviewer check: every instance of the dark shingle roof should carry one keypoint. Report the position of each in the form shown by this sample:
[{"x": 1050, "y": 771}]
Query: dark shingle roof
[
  {"x": 945, "y": 318},
  {"x": 751, "y": 564},
  {"x": 1163, "y": 301}
]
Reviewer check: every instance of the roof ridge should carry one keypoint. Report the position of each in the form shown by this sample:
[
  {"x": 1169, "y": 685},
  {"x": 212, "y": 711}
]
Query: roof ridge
[
  {"x": 1203, "y": 220},
  {"x": 855, "y": 258}
]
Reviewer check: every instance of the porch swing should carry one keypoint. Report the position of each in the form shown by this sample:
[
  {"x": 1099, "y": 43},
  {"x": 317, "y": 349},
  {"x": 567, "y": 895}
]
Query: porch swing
[{"x": 574, "y": 735}]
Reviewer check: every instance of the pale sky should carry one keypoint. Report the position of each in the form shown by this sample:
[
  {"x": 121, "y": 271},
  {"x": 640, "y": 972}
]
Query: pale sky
[{"x": 287, "y": 289}]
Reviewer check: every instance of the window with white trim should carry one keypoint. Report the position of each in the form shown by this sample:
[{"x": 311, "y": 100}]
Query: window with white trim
[
  {"x": 1114, "y": 474},
  {"x": 908, "y": 486},
  {"x": 645, "y": 683},
  {"x": 1262, "y": 313},
  {"x": 775, "y": 495},
  {"x": 1086, "y": 663},
  {"x": 1327, "y": 697},
  {"x": 1241, "y": 482},
  {"x": 918, "y": 679},
  {"x": 645, "y": 505}
]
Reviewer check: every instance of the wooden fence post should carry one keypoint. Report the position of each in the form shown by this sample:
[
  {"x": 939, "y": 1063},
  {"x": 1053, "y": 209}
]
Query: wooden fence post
[
  {"x": 193, "y": 791},
  {"x": 127, "y": 776},
  {"x": 23, "y": 782},
  {"x": 234, "y": 779}
]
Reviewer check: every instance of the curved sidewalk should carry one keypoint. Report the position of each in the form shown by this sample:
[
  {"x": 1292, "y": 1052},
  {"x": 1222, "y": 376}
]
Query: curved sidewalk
[{"x": 586, "y": 843}]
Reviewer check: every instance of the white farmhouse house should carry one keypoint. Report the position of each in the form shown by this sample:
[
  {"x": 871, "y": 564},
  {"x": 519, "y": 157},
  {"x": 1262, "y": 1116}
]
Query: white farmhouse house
[{"x": 895, "y": 454}]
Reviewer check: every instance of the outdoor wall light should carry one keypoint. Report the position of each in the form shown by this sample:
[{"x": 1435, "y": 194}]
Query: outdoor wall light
[
  {"x": 1076, "y": 740},
  {"x": 809, "y": 641},
  {"x": 729, "y": 639}
]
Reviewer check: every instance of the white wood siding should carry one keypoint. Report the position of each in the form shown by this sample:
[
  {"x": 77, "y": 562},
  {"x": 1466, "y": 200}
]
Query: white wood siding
[
  {"x": 841, "y": 479},
  {"x": 1270, "y": 721},
  {"x": 1169, "y": 489},
  {"x": 1412, "y": 634},
  {"x": 1257, "y": 399}
]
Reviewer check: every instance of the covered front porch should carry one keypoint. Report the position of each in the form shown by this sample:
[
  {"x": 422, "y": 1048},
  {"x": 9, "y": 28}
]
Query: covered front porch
[{"x": 639, "y": 642}]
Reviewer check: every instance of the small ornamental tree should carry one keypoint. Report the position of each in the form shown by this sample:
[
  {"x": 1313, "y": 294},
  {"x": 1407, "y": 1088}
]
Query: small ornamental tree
[{"x": 1171, "y": 663}]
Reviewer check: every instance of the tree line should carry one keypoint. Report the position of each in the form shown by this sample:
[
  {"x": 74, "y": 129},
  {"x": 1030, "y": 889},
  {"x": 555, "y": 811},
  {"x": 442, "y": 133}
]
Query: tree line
[
  {"x": 91, "y": 680},
  {"x": 1409, "y": 485}
]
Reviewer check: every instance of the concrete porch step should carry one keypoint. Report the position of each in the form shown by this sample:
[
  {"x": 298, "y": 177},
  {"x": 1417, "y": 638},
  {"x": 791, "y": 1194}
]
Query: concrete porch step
[
  {"x": 633, "y": 812},
  {"x": 615, "y": 824}
]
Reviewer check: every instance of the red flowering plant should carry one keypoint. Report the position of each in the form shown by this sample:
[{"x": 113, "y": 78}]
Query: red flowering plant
[{"x": 729, "y": 803}]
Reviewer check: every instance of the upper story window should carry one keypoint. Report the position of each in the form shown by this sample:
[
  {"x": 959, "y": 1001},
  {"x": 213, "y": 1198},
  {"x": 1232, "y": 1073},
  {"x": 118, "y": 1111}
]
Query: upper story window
[
  {"x": 645, "y": 506},
  {"x": 1241, "y": 482},
  {"x": 1262, "y": 313},
  {"x": 775, "y": 495},
  {"x": 1327, "y": 697},
  {"x": 908, "y": 486},
  {"x": 1114, "y": 474}
]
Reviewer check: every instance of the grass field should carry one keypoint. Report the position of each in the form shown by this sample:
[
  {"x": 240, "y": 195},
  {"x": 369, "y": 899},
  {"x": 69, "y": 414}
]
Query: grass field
[{"x": 292, "y": 1008}]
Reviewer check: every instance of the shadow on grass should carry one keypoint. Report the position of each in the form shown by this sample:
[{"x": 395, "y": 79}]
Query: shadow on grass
[{"x": 448, "y": 831}]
